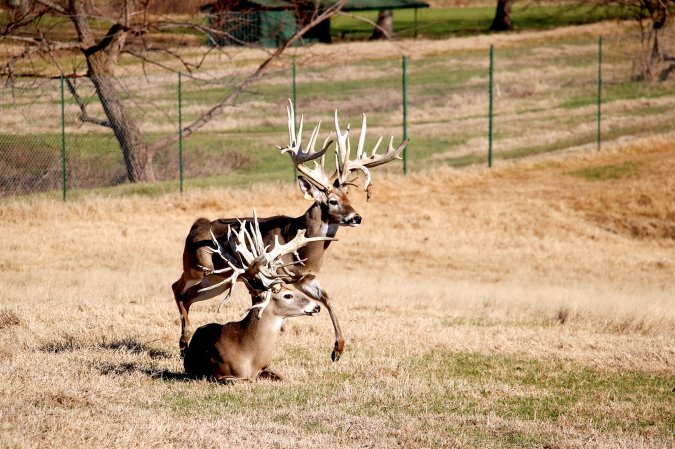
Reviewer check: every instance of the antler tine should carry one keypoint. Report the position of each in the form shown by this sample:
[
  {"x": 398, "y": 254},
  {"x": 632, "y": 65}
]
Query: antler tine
[
  {"x": 279, "y": 250},
  {"x": 375, "y": 159},
  {"x": 291, "y": 127},
  {"x": 362, "y": 162},
  {"x": 232, "y": 270},
  {"x": 299, "y": 157},
  {"x": 258, "y": 236},
  {"x": 220, "y": 251},
  {"x": 244, "y": 246},
  {"x": 312, "y": 138},
  {"x": 362, "y": 138},
  {"x": 259, "y": 262},
  {"x": 392, "y": 153},
  {"x": 342, "y": 150}
]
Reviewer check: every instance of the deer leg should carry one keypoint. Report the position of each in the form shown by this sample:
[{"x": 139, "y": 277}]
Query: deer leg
[
  {"x": 186, "y": 293},
  {"x": 339, "y": 338},
  {"x": 314, "y": 290},
  {"x": 183, "y": 309}
]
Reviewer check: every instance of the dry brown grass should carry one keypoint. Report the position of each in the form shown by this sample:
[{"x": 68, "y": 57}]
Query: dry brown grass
[{"x": 469, "y": 298}]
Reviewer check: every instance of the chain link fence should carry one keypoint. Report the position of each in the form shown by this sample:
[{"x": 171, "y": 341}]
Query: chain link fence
[{"x": 547, "y": 96}]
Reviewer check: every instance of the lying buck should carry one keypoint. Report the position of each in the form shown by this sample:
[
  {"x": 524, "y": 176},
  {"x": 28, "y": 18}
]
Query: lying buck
[
  {"x": 330, "y": 210},
  {"x": 243, "y": 349}
]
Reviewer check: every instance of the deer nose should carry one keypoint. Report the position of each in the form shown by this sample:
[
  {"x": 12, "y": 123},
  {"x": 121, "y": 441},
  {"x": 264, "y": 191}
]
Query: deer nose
[
  {"x": 356, "y": 219},
  {"x": 312, "y": 308}
]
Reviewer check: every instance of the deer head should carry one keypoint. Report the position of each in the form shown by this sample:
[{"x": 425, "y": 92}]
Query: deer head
[
  {"x": 330, "y": 192},
  {"x": 261, "y": 267}
]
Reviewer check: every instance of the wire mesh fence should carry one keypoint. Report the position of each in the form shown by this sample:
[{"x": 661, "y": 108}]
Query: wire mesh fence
[{"x": 56, "y": 135}]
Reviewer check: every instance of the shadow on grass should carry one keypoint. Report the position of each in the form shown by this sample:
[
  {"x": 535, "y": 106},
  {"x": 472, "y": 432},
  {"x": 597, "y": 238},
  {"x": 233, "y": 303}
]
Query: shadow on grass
[
  {"x": 128, "y": 345},
  {"x": 134, "y": 347},
  {"x": 124, "y": 346},
  {"x": 130, "y": 368}
]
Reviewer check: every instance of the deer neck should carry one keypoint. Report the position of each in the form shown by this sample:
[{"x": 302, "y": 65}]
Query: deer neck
[
  {"x": 317, "y": 224},
  {"x": 259, "y": 336}
]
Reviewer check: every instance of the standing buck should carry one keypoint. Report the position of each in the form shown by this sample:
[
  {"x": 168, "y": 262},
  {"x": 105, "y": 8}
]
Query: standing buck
[
  {"x": 330, "y": 210},
  {"x": 243, "y": 349}
]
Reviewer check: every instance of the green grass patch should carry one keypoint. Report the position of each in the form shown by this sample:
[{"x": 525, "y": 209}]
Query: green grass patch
[
  {"x": 444, "y": 22},
  {"x": 553, "y": 389},
  {"x": 629, "y": 169},
  {"x": 620, "y": 91},
  {"x": 440, "y": 383}
]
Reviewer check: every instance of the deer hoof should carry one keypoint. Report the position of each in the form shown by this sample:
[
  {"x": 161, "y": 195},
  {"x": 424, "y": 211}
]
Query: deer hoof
[
  {"x": 335, "y": 356},
  {"x": 183, "y": 349},
  {"x": 269, "y": 375}
]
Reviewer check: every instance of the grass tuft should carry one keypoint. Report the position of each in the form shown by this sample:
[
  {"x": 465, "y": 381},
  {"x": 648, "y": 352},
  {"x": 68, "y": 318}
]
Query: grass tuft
[{"x": 10, "y": 318}]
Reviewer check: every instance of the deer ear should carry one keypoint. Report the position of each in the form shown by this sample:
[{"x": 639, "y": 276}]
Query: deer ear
[{"x": 311, "y": 192}]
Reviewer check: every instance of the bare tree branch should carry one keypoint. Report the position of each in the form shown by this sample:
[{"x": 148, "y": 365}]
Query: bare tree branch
[
  {"x": 84, "y": 116},
  {"x": 54, "y": 7},
  {"x": 126, "y": 33},
  {"x": 232, "y": 96}
]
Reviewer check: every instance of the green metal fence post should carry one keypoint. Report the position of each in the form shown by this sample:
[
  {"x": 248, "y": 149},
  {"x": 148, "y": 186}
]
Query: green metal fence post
[
  {"x": 180, "y": 131},
  {"x": 405, "y": 112},
  {"x": 63, "y": 141},
  {"x": 599, "y": 86},
  {"x": 295, "y": 107},
  {"x": 492, "y": 57}
]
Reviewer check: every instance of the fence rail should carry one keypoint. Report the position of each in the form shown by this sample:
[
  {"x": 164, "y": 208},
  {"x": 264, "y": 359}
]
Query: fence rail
[{"x": 458, "y": 108}]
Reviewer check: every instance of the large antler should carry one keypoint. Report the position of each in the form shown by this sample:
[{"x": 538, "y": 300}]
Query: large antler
[
  {"x": 257, "y": 265},
  {"x": 317, "y": 174},
  {"x": 362, "y": 162}
]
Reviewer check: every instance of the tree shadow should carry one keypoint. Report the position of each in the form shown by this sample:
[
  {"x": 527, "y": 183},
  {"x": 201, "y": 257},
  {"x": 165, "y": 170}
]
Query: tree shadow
[
  {"x": 69, "y": 343},
  {"x": 119, "y": 369}
]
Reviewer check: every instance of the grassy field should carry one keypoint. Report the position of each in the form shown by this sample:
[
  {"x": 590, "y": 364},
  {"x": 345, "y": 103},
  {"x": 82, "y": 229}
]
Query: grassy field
[
  {"x": 545, "y": 99},
  {"x": 439, "y": 22},
  {"x": 530, "y": 305}
]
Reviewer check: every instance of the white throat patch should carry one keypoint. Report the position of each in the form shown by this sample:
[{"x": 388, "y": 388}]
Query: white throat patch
[{"x": 329, "y": 230}]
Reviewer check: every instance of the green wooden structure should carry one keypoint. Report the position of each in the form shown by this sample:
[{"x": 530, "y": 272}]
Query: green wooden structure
[{"x": 269, "y": 23}]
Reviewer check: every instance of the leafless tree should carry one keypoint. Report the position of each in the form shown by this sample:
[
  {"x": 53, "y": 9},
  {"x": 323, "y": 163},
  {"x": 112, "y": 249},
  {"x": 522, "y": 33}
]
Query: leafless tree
[
  {"x": 653, "y": 16},
  {"x": 29, "y": 28}
]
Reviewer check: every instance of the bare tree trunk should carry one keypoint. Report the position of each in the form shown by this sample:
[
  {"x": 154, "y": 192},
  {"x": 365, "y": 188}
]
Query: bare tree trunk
[
  {"x": 137, "y": 159},
  {"x": 502, "y": 20},
  {"x": 385, "y": 25},
  {"x": 654, "y": 64},
  {"x": 102, "y": 58}
]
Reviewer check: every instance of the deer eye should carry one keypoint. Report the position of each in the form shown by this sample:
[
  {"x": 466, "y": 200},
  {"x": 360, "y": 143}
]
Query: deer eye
[
  {"x": 333, "y": 202},
  {"x": 288, "y": 295}
]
